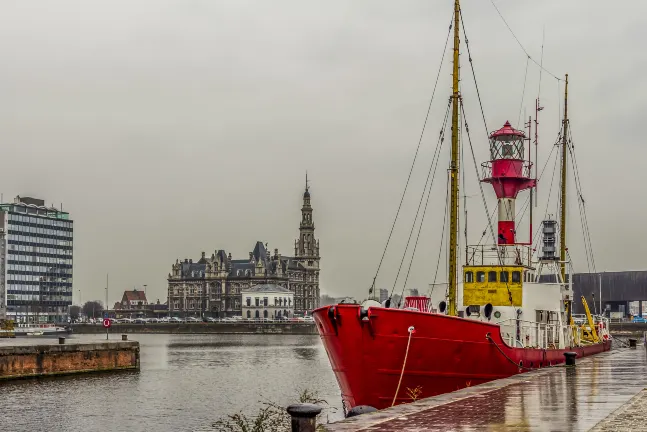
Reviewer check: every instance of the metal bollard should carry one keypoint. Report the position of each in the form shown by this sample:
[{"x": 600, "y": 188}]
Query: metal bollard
[
  {"x": 632, "y": 342},
  {"x": 570, "y": 358},
  {"x": 304, "y": 417},
  {"x": 124, "y": 337},
  {"x": 61, "y": 340}
]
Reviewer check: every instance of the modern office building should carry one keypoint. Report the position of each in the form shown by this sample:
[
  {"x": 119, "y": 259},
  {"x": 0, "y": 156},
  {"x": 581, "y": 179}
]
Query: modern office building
[
  {"x": 36, "y": 244},
  {"x": 384, "y": 295}
]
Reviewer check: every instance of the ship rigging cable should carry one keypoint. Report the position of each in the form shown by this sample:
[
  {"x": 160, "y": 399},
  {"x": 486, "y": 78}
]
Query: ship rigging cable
[
  {"x": 433, "y": 93},
  {"x": 521, "y": 45},
  {"x": 424, "y": 212},
  {"x": 429, "y": 182},
  {"x": 523, "y": 92},
  {"x": 442, "y": 236},
  {"x": 582, "y": 205},
  {"x": 522, "y": 213},
  {"x": 537, "y": 237},
  {"x": 469, "y": 139},
  {"x": 469, "y": 56}
]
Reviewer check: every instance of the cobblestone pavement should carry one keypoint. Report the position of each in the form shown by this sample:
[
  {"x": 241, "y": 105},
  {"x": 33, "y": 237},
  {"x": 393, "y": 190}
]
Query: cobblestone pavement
[
  {"x": 557, "y": 399},
  {"x": 631, "y": 417}
]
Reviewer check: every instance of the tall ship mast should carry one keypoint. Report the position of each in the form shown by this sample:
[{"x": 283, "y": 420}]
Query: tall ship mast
[
  {"x": 506, "y": 311},
  {"x": 454, "y": 169}
]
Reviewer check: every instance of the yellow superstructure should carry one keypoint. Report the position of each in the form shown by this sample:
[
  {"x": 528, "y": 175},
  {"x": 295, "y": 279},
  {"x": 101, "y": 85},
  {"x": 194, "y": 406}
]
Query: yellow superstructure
[{"x": 493, "y": 284}]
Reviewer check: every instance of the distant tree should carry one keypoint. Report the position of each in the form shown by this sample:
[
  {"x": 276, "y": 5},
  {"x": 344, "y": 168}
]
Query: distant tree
[
  {"x": 93, "y": 309},
  {"x": 75, "y": 311},
  {"x": 326, "y": 300}
]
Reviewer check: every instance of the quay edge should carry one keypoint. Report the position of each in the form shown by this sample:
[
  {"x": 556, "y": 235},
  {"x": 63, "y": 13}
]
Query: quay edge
[
  {"x": 34, "y": 361},
  {"x": 202, "y": 328}
]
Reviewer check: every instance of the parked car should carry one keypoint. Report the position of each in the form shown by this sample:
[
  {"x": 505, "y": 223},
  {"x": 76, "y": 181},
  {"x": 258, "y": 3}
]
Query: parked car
[{"x": 639, "y": 319}]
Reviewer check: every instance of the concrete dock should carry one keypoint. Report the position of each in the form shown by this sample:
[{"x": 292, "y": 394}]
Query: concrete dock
[
  {"x": 605, "y": 392},
  {"x": 47, "y": 357}
]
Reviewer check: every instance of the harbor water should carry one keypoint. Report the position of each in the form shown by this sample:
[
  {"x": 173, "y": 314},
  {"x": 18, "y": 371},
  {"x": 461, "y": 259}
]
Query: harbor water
[{"x": 186, "y": 383}]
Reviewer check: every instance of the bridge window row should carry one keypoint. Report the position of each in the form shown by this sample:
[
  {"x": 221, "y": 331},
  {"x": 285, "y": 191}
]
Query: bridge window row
[{"x": 492, "y": 276}]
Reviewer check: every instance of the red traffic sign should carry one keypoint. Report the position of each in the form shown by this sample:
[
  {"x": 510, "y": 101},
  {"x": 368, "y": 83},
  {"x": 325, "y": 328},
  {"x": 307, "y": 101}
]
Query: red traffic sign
[{"x": 107, "y": 323}]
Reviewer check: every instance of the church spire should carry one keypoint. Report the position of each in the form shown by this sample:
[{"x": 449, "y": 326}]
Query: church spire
[
  {"x": 306, "y": 194},
  {"x": 306, "y": 245}
]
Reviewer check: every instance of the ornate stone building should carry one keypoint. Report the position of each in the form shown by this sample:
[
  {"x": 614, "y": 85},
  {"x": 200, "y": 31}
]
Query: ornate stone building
[{"x": 211, "y": 286}]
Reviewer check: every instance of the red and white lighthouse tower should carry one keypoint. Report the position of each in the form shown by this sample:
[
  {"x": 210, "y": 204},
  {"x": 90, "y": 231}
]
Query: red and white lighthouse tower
[{"x": 509, "y": 173}]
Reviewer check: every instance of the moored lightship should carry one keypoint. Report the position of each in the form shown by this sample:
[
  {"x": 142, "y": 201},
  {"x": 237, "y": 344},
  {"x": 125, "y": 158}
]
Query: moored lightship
[{"x": 510, "y": 313}]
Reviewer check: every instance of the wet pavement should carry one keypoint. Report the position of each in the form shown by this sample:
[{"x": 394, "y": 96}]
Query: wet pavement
[
  {"x": 598, "y": 393},
  {"x": 629, "y": 417}
]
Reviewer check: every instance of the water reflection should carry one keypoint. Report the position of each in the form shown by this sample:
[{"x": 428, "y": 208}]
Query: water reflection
[
  {"x": 306, "y": 353},
  {"x": 186, "y": 383}
]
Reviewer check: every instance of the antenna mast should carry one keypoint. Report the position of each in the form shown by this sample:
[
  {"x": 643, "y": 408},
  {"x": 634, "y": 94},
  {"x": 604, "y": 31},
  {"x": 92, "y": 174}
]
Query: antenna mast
[
  {"x": 562, "y": 226},
  {"x": 453, "y": 220}
]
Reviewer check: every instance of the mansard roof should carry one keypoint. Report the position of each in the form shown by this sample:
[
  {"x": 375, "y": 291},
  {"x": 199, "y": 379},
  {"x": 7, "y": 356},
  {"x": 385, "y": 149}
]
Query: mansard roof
[
  {"x": 222, "y": 255},
  {"x": 241, "y": 265},
  {"x": 260, "y": 253},
  {"x": 192, "y": 270}
]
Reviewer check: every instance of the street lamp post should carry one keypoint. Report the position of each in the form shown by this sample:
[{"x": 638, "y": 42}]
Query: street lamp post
[{"x": 600, "y": 280}]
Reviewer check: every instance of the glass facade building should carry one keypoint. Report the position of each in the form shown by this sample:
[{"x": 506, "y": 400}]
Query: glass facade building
[{"x": 36, "y": 248}]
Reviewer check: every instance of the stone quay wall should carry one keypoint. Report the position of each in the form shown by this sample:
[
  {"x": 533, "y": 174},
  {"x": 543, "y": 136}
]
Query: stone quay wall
[
  {"x": 628, "y": 328},
  {"x": 202, "y": 328},
  {"x": 27, "y": 361}
]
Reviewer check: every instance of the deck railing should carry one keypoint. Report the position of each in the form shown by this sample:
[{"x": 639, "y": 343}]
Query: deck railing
[{"x": 531, "y": 334}]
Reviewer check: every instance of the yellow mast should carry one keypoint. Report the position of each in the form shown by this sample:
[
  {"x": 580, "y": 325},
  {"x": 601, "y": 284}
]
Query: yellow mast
[
  {"x": 453, "y": 219},
  {"x": 562, "y": 227}
]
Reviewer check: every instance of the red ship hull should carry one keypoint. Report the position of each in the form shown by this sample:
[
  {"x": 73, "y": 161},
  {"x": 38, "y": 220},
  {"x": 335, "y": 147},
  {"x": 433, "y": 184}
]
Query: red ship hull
[{"x": 445, "y": 354}]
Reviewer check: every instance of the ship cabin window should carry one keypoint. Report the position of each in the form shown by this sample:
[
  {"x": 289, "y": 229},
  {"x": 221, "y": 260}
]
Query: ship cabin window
[
  {"x": 516, "y": 277},
  {"x": 469, "y": 277},
  {"x": 491, "y": 276},
  {"x": 503, "y": 276},
  {"x": 480, "y": 276}
]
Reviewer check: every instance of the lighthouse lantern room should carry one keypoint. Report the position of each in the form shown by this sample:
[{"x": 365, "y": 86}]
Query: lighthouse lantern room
[{"x": 509, "y": 173}]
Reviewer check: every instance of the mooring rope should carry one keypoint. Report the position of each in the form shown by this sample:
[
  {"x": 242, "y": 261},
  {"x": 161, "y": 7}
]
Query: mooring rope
[{"x": 411, "y": 330}]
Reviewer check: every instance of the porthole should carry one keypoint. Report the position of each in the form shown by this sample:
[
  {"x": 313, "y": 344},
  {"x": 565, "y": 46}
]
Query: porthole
[{"x": 497, "y": 314}]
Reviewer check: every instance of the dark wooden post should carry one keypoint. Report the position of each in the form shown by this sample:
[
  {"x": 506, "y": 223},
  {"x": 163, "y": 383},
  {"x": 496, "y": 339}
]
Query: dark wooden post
[{"x": 304, "y": 417}]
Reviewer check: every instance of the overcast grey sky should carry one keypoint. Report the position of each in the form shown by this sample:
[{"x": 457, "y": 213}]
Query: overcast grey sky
[{"x": 168, "y": 128}]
